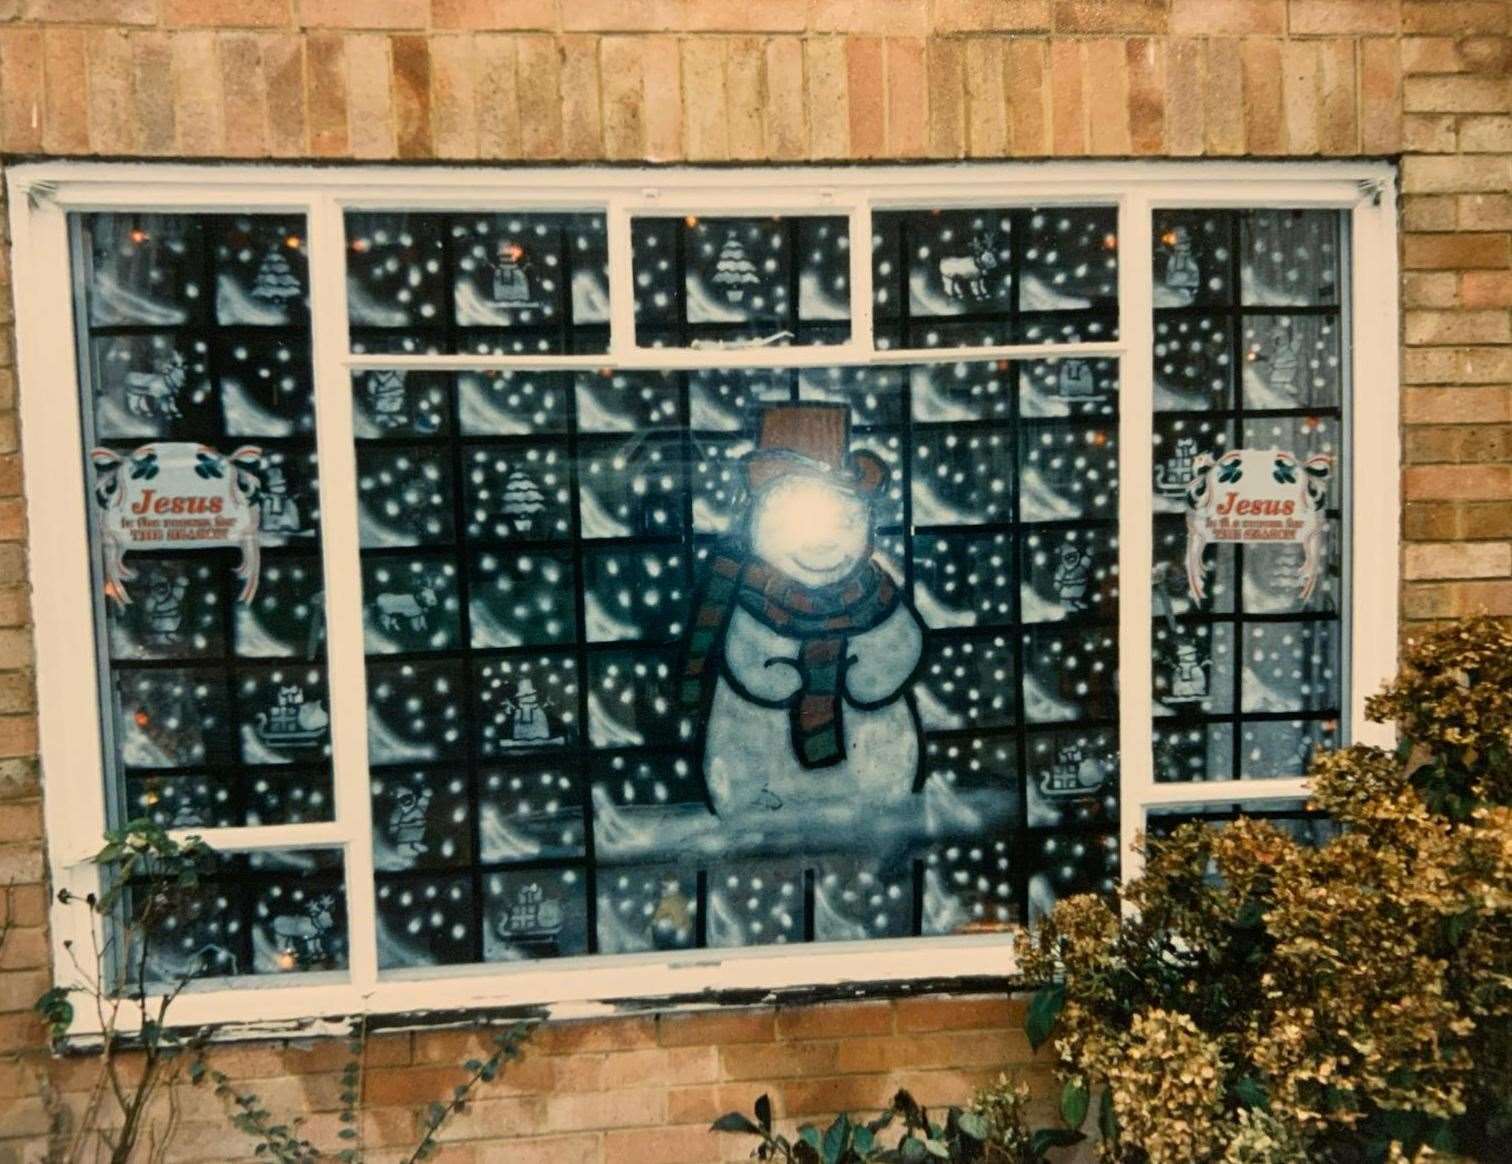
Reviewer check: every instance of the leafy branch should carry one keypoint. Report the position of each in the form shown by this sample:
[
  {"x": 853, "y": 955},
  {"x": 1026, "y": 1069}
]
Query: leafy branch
[{"x": 507, "y": 1045}]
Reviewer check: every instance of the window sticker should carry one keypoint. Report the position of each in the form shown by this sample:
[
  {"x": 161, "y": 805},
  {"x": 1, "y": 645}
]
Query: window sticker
[
  {"x": 1262, "y": 496},
  {"x": 180, "y": 496}
]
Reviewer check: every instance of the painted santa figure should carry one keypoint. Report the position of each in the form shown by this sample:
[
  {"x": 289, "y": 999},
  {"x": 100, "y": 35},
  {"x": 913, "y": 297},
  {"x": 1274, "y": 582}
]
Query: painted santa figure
[{"x": 802, "y": 655}]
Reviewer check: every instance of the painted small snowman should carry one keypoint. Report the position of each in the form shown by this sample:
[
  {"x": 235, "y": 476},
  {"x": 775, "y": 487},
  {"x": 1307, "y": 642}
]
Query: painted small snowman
[{"x": 803, "y": 653}]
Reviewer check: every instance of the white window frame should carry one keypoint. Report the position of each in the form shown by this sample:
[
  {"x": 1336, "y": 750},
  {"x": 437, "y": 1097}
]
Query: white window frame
[{"x": 41, "y": 196}]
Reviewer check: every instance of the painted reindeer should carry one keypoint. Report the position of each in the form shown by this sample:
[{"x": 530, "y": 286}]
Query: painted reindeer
[
  {"x": 965, "y": 276},
  {"x": 305, "y": 935},
  {"x": 1300, "y": 492},
  {"x": 396, "y": 611}
]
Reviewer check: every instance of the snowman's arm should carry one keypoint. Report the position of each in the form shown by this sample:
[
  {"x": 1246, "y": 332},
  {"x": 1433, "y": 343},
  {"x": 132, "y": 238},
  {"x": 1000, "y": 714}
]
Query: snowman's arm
[
  {"x": 882, "y": 660},
  {"x": 763, "y": 664}
]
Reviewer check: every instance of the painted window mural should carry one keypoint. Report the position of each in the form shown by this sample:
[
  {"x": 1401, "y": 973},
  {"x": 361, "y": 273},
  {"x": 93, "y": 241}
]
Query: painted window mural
[
  {"x": 753, "y": 609},
  {"x": 1249, "y": 525},
  {"x": 199, "y": 424},
  {"x": 726, "y": 657}
]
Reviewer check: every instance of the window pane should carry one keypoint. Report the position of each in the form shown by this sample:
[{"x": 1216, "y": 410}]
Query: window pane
[
  {"x": 718, "y": 282},
  {"x": 622, "y": 697},
  {"x": 199, "y": 421},
  {"x": 482, "y": 283},
  {"x": 1249, "y": 535},
  {"x": 971, "y": 278},
  {"x": 281, "y": 911}
]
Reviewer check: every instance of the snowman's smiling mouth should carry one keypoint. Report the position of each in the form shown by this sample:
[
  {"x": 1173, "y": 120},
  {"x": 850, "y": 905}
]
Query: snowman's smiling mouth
[{"x": 820, "y": 565}]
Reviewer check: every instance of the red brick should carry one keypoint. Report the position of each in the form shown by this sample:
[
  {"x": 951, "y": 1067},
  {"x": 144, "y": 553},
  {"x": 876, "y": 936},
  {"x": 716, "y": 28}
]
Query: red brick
[
  {"x": 327, "y": 104},
  {"x": 621, "y": 1034},
  {"x": 1473, "y": 175},
  {"x": 835, "y": 1020},
  {"x": 871, "y": 17},
  {"x": 544, "y": 1150},
  {"x": 693, "y": 1144},
  {"x": 244, "y": 91},
  {"x": 1340, "y": 133},
  {"x": 786, "y": 125},
  {"x": 65, "y": 122},
  {"x": 92, "y": 11},
  {"x": 706, "y": 121},
  {"x": 1224, "y": 98},
  {"x": 1110, "y": 15},
  {"x": 1456, "y": 599},
  {"x": 718, "y": 1027},
  {"x": 370, "y": 94},
  {"x": 1457, "y": 482},
  {"x": 1310, "y": 17},
  {"x": 907, "y": 98},
  {"x": 1459, "y": 18},
  {"x": 1227, "y": 17},
  {"x": 1106, "y": 81},
  {"x": 605, "y": 1109},
  {"x": 1457, "y": 327},
  {"x": 412, "y": 96},
  {"x": 1380, "y": 96},
  {"x": 1264, "y": 122},
  {"x": 1027, "y": 95},
  {"x": 1486, "y": 289},
  {"x": 991, "y": 16},
  {"x": 1457, "y": 405},
  {"x": 854, "y": 1093},
  {"x": 953, "y": 1014},
  {"x": 947, "y": 113},
  {"x": 454, "y": 84},
  {"x": 18, "y": 736},
  {"x": 1146, "y": 58},
  {"x": 228, "y": 13},
  {"x": 1462, "y": 94},
  {"x": 283, "y": 59},
  {"x": 1457, "y": 251},
  {"x": 498, "y": 99},
  {"x": 745, "y": 93},
  {"x": 364, "y": 14},
  {"x": 1457, "y": 560},
  {"x": 538, "y": 76},
  {"x": 582, "y": 129},
  {"x": 500, "y": 15},
  {"x": 1068, "y": 118},
  {"x": 866, "y": 97},
  {"x": 1185, "y": 129},
  {"x": 987, "y": 112}
]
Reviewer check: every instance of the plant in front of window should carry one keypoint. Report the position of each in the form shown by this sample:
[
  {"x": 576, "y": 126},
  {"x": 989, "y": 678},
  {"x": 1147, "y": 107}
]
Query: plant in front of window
[
  {"x": 992, "y": 1129},
  {"x": 145, "y": 871},
  {"x": 1350, "y": 1002}
]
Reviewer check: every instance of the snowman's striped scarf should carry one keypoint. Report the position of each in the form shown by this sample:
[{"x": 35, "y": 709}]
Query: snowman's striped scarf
[{"x": 820, "y": 617}]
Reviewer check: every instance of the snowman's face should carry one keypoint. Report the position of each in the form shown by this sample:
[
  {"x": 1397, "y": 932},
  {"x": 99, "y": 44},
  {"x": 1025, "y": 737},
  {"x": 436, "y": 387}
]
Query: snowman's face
[{"x": 811, "y": 530}]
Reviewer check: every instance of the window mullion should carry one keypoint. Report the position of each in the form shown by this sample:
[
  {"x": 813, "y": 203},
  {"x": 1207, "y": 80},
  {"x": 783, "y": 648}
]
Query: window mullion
[
  {"x": 862, "y": 301},
  {"x": 1135, "y": 521},
  {"x": 346, "y": 669},
  {"x": 621, "y": 280}
]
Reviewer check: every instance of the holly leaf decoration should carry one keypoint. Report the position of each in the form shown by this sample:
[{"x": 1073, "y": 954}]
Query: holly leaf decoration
[{"x": 1285, "y": 471}]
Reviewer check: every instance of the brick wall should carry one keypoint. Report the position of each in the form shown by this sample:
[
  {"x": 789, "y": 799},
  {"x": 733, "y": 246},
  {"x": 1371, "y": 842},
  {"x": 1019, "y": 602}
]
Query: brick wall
[{"x": 718, "y": 80}]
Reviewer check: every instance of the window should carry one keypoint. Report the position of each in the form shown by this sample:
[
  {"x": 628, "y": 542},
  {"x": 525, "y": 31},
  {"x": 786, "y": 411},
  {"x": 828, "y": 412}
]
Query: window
[{"x": 588, "y": 585}]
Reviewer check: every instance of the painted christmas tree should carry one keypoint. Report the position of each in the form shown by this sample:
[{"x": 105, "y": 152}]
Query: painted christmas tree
[
  {"x": 734, "y": 271},
  {"x": 523, "y": 499},
  {"x": 275, "y": 280}
]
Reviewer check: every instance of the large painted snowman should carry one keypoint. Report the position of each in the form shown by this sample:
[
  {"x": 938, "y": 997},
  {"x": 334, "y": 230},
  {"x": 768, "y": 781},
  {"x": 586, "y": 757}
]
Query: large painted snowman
[{"x": 803, "y": 651}]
